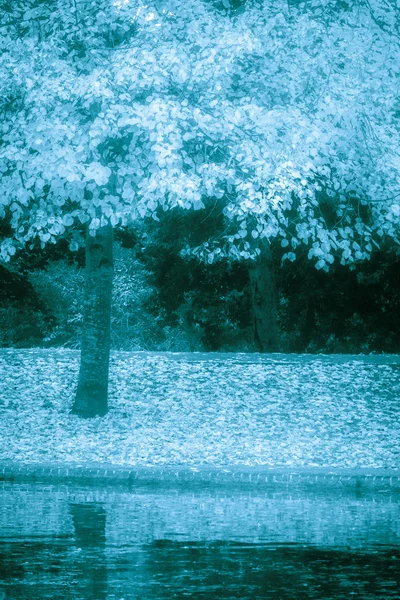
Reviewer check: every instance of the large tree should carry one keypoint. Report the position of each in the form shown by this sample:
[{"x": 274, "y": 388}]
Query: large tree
[{"x": 115, "y": 110}]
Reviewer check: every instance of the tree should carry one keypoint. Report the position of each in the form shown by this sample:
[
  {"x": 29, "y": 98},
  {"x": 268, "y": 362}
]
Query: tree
[
  {"x": 263, "y": 297},
  {"x": 116, "y": 110},
  {"x": 92, "y": 392}
]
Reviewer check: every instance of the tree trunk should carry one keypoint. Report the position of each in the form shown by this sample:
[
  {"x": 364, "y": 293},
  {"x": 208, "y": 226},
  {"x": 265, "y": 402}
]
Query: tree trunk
[
  {"x": 263, "y": 299},
  {"x": 92, "y": 392}
]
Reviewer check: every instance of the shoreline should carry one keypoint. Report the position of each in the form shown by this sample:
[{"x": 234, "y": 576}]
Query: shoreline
[{"x": 238, "y": 476}]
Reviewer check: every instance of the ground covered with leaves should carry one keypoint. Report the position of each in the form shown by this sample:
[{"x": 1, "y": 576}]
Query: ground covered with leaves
[{"x": 214, "y": 409}]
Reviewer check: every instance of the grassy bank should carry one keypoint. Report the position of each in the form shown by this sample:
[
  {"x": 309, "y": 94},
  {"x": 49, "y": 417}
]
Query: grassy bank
[{"x": 228, "y": 409}]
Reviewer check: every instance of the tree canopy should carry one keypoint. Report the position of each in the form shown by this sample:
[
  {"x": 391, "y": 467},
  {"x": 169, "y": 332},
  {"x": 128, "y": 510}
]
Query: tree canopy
[{"x": 287, "y": 112}]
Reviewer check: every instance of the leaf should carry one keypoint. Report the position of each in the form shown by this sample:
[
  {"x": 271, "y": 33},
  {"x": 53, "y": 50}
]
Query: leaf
[
  {"x": 114, "y": 219},
  {"x": 98, "y": 172},
  {"x": 74, "y": 246},
  {"x": 320, "y": 264},
  {"x": 68, "y": 220},
  {"x": 94, "y": 223}
]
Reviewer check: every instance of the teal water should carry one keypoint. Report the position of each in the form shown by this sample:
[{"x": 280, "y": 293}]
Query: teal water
[{"x": 59, "y": 542}]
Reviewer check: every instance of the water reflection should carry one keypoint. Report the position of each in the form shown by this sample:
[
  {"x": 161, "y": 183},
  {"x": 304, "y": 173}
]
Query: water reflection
[
  {"x": 90, "y": 566},
  {"x": 230, "y": 570},
  {"x": 71, "y": 543}
]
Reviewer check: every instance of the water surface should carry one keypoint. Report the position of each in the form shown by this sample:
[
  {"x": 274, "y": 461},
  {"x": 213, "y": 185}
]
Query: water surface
[{"x": 61, "y": 542}]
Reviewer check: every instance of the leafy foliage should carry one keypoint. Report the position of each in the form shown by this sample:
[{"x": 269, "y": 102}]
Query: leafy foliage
[
  {"x": 24, "y": 318},
  {"x": 351, "y": 311},
  {"x": 59, "y": 287},
  {"x": 133, "y": 326},
  {"x": 208, "y": 301},
  {"x": 164, "y": 302},
  {"x": 112, "y": 111}
]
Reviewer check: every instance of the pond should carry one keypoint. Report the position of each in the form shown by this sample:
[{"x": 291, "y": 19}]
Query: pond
[{"x": 65, "y": 542}]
